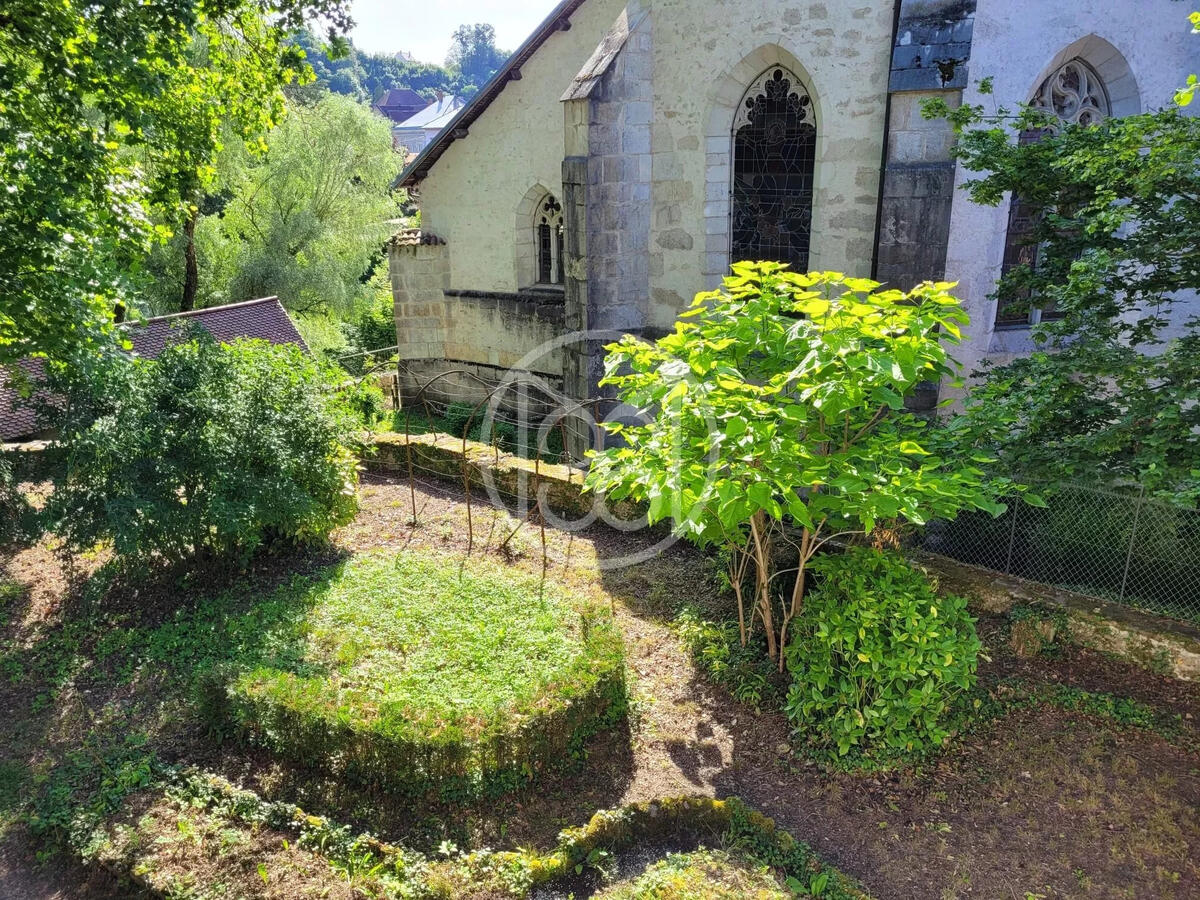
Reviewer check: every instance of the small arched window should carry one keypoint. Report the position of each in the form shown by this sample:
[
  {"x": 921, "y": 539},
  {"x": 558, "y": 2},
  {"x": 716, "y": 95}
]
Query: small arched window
[
  {"x": 774, "y": 155},
  {"x": 548, "y": 239},
  {"x": 1073, "y": 95}
]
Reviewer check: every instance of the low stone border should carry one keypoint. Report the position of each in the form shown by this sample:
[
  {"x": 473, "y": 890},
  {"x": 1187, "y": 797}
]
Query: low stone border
[
  {"x": 441, "y": 455},
  {"x": 1161, "y": 645}
]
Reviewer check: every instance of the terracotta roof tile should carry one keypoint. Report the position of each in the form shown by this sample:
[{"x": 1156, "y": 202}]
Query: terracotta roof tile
[
  {"x": 264, "y": 319},
  {"x": 415, "y": 237},
  {"x": 16, "y": 418}
]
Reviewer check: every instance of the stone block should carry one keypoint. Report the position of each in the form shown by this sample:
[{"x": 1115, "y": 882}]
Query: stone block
[
  {"x": 716, "y": 208},
  {"x": 635, "y": 139},
  {"x": 906, "y": 146},
  {"x": 675, "y": 239},
  {"x": 639, "y": 112}
]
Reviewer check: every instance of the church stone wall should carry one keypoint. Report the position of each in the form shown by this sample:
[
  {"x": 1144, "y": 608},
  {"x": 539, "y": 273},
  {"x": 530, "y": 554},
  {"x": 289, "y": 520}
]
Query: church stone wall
[
  {"x": 484, "y": 332},
  {"x": 706, "y": 55},
  {"x": 471, "y": 196}
]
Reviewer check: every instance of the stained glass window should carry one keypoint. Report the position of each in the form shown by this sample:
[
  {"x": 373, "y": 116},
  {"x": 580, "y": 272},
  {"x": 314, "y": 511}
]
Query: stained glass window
[
  {"x": 1075, "y": 95},
  {"x": 774, "y": 152}
]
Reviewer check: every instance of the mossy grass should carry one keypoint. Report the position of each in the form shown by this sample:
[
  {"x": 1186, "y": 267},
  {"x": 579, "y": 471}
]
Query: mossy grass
[
  {"x": 431, "y": 673},
  {"x": 701, "y": 875},
  {"x": 757, "y": 858}
]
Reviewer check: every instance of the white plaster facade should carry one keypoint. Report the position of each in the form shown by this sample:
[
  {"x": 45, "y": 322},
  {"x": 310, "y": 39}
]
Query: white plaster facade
[
  {"x": 470, "y": 197},
  {"x": 1140, "y": 51}
]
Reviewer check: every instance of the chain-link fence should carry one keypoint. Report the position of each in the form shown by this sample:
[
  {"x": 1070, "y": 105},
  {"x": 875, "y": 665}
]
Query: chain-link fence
[{"x": 1116, "y": 545}]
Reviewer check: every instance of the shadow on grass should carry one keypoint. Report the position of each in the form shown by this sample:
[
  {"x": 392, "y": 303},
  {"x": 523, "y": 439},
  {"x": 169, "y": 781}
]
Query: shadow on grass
[
  {"x": 103, "y": 695},
  {"x": 98, "y": 687}
]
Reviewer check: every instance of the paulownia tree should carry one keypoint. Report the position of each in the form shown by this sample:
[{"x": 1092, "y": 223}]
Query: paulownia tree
[{"x": 774, "y": 418}]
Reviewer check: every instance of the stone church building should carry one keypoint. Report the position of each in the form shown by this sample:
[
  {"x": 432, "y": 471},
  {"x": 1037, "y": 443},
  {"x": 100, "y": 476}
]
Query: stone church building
[{"x": 631, "y": 149}]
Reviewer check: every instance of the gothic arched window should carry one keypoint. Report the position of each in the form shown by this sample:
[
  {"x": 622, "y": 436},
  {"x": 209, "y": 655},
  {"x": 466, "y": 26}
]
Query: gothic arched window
[
  {"x": 548, "y": 239},
  {"x": 1073, "y": 95},
  {"x": 774, "y": 154}
]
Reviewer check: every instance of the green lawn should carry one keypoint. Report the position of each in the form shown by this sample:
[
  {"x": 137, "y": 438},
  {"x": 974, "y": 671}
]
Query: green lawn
[
  {"x": 433, "y": 643},
  {"x": 428, "y": 671}
]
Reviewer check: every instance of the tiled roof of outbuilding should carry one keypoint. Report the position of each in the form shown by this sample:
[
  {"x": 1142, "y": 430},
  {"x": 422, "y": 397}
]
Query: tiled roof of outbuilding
[
  {"x": 415, "y": 237},
  {"x": 16, "y": 419},
  {"x": 264, "y": 319}
]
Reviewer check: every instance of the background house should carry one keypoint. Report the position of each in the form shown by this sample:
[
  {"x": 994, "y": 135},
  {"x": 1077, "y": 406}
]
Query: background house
[
  {"x": 264, "y": 319},
  {"x": 399, "y": 104},
  {"x": 419, "y": 130}
]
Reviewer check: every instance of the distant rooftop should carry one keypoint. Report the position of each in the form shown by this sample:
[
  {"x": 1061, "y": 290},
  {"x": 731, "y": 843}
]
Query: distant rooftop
[{"x": 436, "y": 115}]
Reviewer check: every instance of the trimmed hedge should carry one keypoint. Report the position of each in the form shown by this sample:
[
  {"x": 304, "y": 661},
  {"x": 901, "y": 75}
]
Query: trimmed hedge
[
  {"x": 746, "y": 834},
  {"x": 743, "y": 830},
  {"x": 310, "y": 712}
]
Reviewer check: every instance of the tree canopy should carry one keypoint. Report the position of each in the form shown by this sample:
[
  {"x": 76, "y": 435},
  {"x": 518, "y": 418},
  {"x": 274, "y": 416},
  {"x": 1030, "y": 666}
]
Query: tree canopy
[
  {"x": 473, "y": 55},
  {"x": 366, "y": 77},
  {"x": 109, "y": 121},
  {"x": 304, "y": 219},
  {"x": 1112, "y": 391},
  {"x": 781, "y": 398}
]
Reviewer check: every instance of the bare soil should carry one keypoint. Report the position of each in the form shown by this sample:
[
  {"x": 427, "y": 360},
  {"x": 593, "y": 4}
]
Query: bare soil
[{"x": 1040, "y": 803}]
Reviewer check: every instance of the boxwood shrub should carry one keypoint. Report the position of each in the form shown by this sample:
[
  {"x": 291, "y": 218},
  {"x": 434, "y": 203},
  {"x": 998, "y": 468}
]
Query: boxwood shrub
[
  {"x": 426, "y": 676},
  {"x": 877, "y": 658}
]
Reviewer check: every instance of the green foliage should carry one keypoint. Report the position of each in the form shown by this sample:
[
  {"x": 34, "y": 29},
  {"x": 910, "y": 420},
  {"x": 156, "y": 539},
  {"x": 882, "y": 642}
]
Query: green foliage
[
  {"x": 373, "y": 331},
  {"x": 744, "y": 670},
  {"x": 878, "y": 658},
  {"x": 211, "y": 449},
  {"x": 474, "y": 57},
  {"x": 306, "y": 220},
  {"x": 367, "y": 400},
  {"x": 1116, "y": 213},
  {"x": 71, "y": 802},
  {"x": 702, "y": 875},
  {"x": 757, "y": 836},
  {"x": 108, "y": 122},
  {"x": 461, "y": 419},
  {"x": 401, "y": 873},
  {"x": 17, "y": 518},
  {"x": 417, "y": 674},
  {"x": 781, "y": 398},
  {"x": 1186, "y": 94},
  {"x": 366, "y": 77}
]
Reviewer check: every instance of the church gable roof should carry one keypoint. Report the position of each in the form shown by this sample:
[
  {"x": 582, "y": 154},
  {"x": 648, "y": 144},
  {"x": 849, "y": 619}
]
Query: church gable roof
[{"x": 558, "y": 20}]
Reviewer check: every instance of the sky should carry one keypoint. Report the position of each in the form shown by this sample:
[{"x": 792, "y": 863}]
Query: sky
[{"x": 423, "y": 27}]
